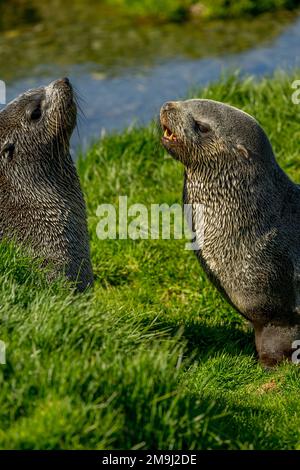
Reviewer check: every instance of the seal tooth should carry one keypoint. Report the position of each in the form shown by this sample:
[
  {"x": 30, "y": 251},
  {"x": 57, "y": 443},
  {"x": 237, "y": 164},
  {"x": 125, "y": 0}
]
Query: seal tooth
[{"x": 166, "y": 133}]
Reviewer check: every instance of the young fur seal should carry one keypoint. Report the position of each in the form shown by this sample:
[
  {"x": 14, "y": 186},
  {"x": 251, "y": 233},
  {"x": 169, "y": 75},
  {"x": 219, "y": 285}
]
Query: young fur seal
[
  {"x": 41, "y": 202},
  {"x": 251, "y": 216}
]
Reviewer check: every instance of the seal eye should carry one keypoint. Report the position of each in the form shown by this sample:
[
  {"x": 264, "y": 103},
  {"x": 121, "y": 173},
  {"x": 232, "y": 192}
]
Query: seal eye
[
  {"x": 203, "y": 127},
  {"x": 36, "y": 114}
]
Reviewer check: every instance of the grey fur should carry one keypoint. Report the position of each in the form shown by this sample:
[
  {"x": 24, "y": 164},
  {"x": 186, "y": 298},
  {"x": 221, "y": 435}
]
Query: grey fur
[
  {"x": 41, "y": 202},
  {"x": 251, "y": 249}
]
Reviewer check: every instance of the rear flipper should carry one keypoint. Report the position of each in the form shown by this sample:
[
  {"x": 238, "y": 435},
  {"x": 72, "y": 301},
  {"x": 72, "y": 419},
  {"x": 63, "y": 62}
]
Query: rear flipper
[{"x": 274, "y": 343}]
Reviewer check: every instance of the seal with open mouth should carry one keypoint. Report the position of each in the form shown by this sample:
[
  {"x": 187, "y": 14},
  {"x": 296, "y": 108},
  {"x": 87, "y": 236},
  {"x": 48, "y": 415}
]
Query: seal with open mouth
[
  {"x": 41, "y": 202},
  {"x": 251, "y": 216}
]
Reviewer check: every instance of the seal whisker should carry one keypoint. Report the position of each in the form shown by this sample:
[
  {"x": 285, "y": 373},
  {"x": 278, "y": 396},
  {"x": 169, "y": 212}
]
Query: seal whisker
[{"x": 78, "y": 95}]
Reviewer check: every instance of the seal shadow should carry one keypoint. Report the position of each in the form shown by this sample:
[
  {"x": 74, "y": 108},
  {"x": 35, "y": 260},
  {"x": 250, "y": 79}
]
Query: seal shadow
[
  {"x": 216, "y": 339},
  {"x": 203, "y": 341}
]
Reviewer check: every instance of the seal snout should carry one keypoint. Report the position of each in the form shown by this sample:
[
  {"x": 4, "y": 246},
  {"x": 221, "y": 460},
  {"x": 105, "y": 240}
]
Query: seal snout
[
  {"x": 61, "y": 103},
  {"x": 62, "y": 85},
  {"x": 166, "y": 123},
  {"x": 63, "y": 82},
  {"x": 66, "y": 81},
  {"x": 169, "y": 105}
]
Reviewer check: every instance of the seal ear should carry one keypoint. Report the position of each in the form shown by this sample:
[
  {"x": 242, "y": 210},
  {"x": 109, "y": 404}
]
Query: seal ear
[
  {"x": 242, "y": 151},
  {"x": 8, "y": 151}
]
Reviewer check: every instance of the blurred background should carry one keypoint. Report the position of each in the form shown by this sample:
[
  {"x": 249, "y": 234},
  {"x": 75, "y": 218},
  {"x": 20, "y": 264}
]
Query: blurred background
[{"x": 126, "y": 57}]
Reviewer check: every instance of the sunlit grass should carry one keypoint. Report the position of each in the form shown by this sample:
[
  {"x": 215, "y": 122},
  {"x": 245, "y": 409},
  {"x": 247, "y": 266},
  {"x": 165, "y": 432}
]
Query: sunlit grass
[
  {"x": 180, "y": 10},
  {"x": 152, "y": 356}
]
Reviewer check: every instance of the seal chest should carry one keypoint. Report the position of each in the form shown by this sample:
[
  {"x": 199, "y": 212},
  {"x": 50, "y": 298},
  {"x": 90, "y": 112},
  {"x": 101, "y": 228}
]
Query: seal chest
[
  {"x": 41, "y": 201},
  {"x": 251, "y": 216}
]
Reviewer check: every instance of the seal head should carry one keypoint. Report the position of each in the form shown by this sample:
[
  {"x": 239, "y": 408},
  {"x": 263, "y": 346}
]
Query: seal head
[{"x": 41, "y": 201}]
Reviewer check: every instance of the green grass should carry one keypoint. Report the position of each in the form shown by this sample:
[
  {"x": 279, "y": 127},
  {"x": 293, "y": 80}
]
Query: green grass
[
  {"x": 152, "y": 356},
  {"x": 181, "y": 10}
]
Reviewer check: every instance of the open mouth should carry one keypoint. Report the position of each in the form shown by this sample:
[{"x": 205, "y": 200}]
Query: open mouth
[{"x": 168, "y": 135}]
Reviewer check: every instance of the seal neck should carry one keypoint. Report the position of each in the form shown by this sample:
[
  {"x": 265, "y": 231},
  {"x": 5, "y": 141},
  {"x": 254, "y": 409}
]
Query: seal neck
[{"x": 236, "y": 200}]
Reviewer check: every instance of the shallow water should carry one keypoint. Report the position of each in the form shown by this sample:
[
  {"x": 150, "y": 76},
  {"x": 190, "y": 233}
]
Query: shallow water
[{"x": 125, "y": 70}]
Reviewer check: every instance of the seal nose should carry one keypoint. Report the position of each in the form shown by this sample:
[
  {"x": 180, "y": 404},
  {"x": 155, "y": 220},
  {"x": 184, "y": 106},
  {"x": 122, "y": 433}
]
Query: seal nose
[
  {"x": 66, "y": 81},
  {"x": 63, "y": 81},
  {"x": 169, "y": 105}
]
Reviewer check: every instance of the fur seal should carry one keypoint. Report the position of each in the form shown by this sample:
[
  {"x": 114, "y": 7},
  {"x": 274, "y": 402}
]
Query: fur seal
[
  {"x": 41, "y": 202},
  {"x": 251, "y": 216}
]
